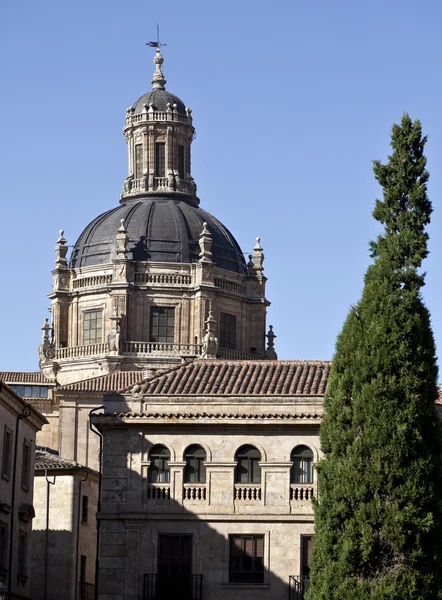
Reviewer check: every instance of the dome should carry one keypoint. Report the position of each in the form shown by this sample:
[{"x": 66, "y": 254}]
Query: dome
[
  {"x": 161, "y": 229},
  {"x": 159, "y": 98}
]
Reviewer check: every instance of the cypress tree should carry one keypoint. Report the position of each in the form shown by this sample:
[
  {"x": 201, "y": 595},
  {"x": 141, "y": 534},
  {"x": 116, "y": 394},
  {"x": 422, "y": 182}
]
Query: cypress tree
[{"x": 378, "y": 518}]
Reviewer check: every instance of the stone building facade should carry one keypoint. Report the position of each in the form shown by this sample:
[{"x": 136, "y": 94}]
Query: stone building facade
[
  {"x": 19, "y": 423},
  {"x": 64, "y": 529},
  {"x": 208, "y": 479}
]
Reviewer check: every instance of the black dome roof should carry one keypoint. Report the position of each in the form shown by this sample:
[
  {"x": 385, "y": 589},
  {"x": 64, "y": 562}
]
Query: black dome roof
[
  {"x": 160, "y": 98},
  {"x": 162, "y": 229}
]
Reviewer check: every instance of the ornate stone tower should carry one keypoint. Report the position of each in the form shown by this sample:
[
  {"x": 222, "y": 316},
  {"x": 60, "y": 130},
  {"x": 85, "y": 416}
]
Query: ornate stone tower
[{"x": 156, "y": 279}]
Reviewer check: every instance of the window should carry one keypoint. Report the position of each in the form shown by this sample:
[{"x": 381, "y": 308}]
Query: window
[
  {"x": 246, "y": 560},
  {"x": 247, "y": 468},
  {"x": 195, "y": 457},
  {"x": 162, "y": 324},
  {"x": 31, "y": 391},
  {"x": 22, "y": 553},
  {"x": 306, "y": 553},
  {"x": 138, "y": 161},
  {"x": 160, "y": 159},
  {"x": 181, "y": 169},
  {"x": 84, "y": 509},
  {"x": 26, "y": 465},
  {"x": 227, "y": 331},
  {"x": 3, "y": 546},
  {"x": 7, "y": 451},
  {"x": 159, "y": 464},
  {"x": 302, "y": 469},
  {"x": 92, "y": 327},
  {"x": 174, "y": 554}
]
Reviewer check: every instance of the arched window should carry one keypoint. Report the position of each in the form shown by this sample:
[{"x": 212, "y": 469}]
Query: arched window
[
  {"x": 247, "y": 468},
  {"x": 195, "y": 456},
  {"x": 302, "y": 469},
  {"x": 159, "y": 464}
]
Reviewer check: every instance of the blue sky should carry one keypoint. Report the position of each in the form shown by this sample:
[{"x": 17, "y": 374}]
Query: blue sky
[{"x": 291, "y": 101}]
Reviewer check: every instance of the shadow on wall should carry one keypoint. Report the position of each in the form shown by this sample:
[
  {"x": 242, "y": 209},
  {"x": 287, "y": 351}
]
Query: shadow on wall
[
  {"x": 155, "y": 548},
  {"x": 60, "y": 564}
]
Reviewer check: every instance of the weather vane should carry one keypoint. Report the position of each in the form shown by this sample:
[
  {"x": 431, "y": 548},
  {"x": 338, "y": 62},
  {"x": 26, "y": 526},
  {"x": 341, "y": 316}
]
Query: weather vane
[{"x": 156, "y": 44}]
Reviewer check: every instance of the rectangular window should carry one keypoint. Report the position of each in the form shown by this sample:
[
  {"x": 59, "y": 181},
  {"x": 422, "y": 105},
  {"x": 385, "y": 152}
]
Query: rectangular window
[
  {"x": 22, "y": 553},
  {"x": 7, "y": 453},
  {"x": 162, "y": 324},
  {"x": 92, "y": 327},
  {"x": 3, "y": 545},
  {"x": 306, "y": 553},
  {"x": 31, "y": 391},
  {"x": 84, "y": 509},
  {"x": 138, "y": 161},
  {"x": 246, "y": 559},
  {"x": 181, "y": 168},
  {"x": 26, "y": 465},
  {"x": 227, "y": 331},
  {"x": 174, "y": 554},
  {"x": 160, "y": 159}
]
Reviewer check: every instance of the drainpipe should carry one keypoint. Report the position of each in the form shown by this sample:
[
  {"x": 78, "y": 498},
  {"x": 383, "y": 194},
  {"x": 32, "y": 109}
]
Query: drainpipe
[
  {"x": 45, "y": 585},
  {"x": 26, "y": 413},
  {"x": 100, "y": 459},
  {"x": 78, "y": 535}
]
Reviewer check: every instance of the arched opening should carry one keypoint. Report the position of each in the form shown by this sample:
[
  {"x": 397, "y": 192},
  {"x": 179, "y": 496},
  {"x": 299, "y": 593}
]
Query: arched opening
[
  {"x": 302, "y": 467},
  {"x": 159, "y": 458},
  {"x": 195, "y": 457},
  {"x": 247, "y": 468}
]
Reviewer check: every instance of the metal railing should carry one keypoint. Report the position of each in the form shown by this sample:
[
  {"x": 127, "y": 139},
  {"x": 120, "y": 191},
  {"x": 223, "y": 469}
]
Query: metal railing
[
  {"x": 169, "y": 587},
  {"x": 86, "y": 591},
  {"x": 298, "y": 586}
]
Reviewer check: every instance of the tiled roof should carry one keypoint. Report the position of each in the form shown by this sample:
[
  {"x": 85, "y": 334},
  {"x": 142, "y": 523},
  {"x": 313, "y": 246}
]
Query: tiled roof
[
  {"x": 47, "y": 458},
  {"x": 241, "y": 377},
  {"x": 106, "y": 383},
  {"x": 23, "y": 377},
  {"x": 203, "y": 415}
]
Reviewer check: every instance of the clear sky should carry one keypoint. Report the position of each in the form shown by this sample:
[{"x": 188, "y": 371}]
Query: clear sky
[{"x": 291, "y": 101}]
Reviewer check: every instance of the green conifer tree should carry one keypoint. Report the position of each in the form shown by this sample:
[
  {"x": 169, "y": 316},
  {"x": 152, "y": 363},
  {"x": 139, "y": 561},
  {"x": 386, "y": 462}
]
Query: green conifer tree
[{"x": 378, "y": 529}]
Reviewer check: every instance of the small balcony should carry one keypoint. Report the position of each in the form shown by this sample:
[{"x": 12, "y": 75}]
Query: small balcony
[
  {"x": 298, "y": 586},
  {"x": 247, "y": 493},
  {"x": 168, "y": 587},
  {"x": 301, "y": 492},
  {"x": 194, "y": 492}
]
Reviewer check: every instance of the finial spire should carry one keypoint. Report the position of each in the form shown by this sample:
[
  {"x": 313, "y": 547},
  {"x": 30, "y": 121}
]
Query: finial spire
[{"x": 158, "y": 79}]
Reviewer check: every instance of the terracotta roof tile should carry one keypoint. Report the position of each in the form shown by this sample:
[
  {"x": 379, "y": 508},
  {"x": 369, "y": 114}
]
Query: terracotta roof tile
[
  {"x": 106, "y": 383},
  {"x": 23, "y": 377},
  {"x": 241, "y": 377},
  {"x": 47, "y": 458}
]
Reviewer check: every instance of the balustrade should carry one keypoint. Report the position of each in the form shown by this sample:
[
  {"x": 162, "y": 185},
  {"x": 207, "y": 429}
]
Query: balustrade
[
  {"x": 158, "y": 492},
  {"x": 161, "y": 183},
  {"x": 177, "y": 279},
  {"x": 194, "y": 492},
  {"x": 230, "y": 354},
  {"x": 156, "y": 116},
  {"x": 230, "y": 286},
  {"x": 76, "y": 351},
  {"x": 161, "y": 349},
  {"x": 250, "y": 492},
  {"x": 298, "y": 492},
  {"x": 92, "y": 281}
]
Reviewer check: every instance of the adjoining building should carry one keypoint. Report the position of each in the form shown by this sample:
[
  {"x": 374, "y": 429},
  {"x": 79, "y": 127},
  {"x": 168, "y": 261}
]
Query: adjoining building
[
  {"x": 19, "y": 424},
  {"x": 64, "y": 531},
  {"x": 208, "y": 480}
]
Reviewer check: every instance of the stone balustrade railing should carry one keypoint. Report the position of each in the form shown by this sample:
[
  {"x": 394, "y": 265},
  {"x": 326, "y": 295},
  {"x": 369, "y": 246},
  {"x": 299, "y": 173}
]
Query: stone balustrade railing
[
  {"x": 77, "y": 351},
  {"x": 230, "y": 286},
  {"x": 162, "y": 279},
  {"x": 194, "y": 492},
  {"x": 250, "y": 492},
  {"x": 161, "y": 349},
  {"x": 161, "y": 183},
  {"x": 156, "y": 116},
  {"x": 229, "y": 354},
  {"x": 158, "y": 491},
  {"x": 301, "y": 492},
  {"x": 93, "y": 281}
]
